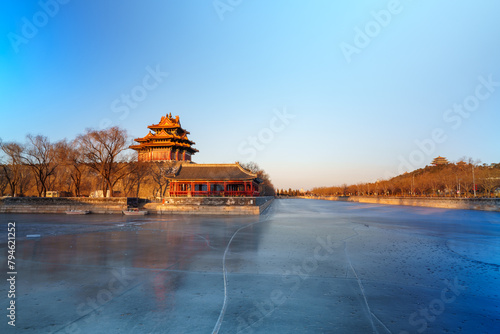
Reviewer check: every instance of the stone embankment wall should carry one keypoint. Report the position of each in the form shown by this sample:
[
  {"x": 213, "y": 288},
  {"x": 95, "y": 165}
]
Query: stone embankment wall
[
  {"x": 486, "y": 204},
  {"x": 62, "y": 204},
  {"x": 212, "y": 205},
  {"x": 189, "y": 205}
]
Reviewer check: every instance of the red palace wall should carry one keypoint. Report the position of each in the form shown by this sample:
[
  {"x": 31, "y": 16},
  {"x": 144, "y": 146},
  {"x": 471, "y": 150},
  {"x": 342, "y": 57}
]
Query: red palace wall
[{"x": 164, "y": 156}]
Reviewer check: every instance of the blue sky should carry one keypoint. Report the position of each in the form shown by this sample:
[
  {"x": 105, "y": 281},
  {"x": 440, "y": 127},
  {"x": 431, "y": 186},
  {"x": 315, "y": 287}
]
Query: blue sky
[{"x": 316, "y": 92}]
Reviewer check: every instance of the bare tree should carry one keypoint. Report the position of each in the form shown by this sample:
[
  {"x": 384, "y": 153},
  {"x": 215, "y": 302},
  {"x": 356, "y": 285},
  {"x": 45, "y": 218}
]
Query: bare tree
[
  {"x": 25, "y": 180},
  {"x": 136, "y": 173},
  {"x": 13, "y": 164},
  {"x": 464, "y": 176},
  {"x": 384, "y": 184},
  {"x": 367, "y": 188},
  {"x": 266, "y": 185},
  {"x": 3, "y": 181},
  {"x": 489, "y": 179},
  {"x": 40, "y": 155},
  {"x": 141, "y": 172},
  {"x": 449, "y": 179},
  {"x": 159, "y": 172},
  {"x": 359, "y": 189},
  {"x": 128, "y": 182},
  {"x": 102, "y": 150},
  {"x": 73, "y": 160}
]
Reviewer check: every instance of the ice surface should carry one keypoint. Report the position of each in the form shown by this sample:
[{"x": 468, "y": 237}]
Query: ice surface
[{"x": 306, "y": 266}]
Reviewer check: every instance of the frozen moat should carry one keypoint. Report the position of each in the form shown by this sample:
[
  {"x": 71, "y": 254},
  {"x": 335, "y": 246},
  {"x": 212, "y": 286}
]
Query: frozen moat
[{"x": 306, "y": 266}]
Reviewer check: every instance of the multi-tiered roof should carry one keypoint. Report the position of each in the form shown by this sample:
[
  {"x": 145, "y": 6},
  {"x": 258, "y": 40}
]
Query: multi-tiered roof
[
  {"x": 439, "y": 161},
  {"x": 167, "y": 141}
]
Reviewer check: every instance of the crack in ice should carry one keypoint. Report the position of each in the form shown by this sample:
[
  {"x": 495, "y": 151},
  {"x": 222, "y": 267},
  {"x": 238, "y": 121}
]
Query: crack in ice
[
  {"x": 361, "y": 288},
  {"x": 387, "y": 329},
  {"x": 224, "y": 271}
]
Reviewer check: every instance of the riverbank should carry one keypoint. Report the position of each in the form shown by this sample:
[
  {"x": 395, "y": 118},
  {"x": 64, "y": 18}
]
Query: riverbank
[
  {"x": 484, "y": 204},
  {"x": 212, "y": 205},
  {"x": 115, "y": 205}
]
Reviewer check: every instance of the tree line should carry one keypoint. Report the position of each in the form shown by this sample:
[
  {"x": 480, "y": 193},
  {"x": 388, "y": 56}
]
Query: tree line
[
  {"x": 291, "y": 192},
  {"x": 95, "y": 160},
  {"x": 464, "y": 178}
]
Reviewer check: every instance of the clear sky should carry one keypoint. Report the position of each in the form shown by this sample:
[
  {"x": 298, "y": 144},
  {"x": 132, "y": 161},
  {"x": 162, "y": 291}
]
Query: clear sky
[{"x": 316, "y": 92}]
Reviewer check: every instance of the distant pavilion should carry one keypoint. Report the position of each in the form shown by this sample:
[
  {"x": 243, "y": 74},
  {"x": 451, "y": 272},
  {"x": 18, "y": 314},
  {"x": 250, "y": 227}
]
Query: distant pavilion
[
  {"x": 168, "y": 142},
  {"x": 439, "y": 161}
]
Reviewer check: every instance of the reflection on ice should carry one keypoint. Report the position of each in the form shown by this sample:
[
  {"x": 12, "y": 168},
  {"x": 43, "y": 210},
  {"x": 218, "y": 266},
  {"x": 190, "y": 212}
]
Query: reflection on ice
[{"x": 308, "y": 266}]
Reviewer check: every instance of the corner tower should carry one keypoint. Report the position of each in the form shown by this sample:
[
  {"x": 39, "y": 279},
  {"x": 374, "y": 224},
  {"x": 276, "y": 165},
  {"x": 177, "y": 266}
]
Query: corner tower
[{"x": 166, "y": 141}]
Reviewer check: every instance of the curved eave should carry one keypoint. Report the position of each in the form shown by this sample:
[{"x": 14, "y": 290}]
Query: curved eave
[
  {"x": 171, "y": 137},
  {"x": 164, "y": 144},
  {"x": 156, "y": 126},
  {"x": 218, "y": 180},
  {"x": 155, "y": 137},
  {"x": 169, "y": 143},
  {"x": 246, "y": 171},
  {"x": 146, "y": 146}
]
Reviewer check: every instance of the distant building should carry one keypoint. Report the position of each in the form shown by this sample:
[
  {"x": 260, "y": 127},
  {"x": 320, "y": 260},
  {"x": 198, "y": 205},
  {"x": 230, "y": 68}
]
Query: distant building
[
  {"x": 56, "y": 193},
  {"x": 168, "y": 141},
  {"x": 440, "y": 161},
  {"x": 100, "y": 193}
]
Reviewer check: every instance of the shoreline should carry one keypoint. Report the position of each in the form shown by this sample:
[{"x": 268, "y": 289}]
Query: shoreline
[
  {"x": 481, "y": 204},
  {"x": 115, "y": 205}
]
